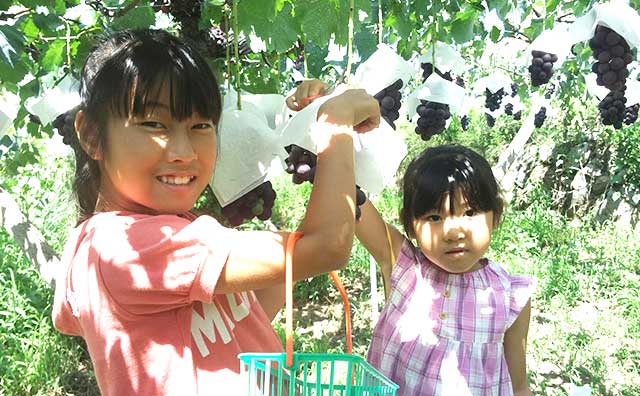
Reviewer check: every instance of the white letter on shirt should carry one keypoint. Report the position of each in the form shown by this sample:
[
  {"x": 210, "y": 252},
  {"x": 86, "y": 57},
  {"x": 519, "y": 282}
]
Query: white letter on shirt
[
  {"x": 239, "y": 311},
  {"x": 206, "y": 326}
]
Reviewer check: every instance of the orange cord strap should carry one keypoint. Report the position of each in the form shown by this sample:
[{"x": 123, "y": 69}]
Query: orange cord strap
[{"x": 347, "y": 308}]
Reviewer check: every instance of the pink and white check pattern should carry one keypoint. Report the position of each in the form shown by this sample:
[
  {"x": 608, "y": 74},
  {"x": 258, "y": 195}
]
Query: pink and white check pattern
[{"x": 441, "y": 334}]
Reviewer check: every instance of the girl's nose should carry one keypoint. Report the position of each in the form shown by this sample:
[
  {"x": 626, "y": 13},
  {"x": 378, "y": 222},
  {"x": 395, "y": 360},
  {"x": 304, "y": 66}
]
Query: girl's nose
[
  {"x": 453, "y": 228},
  {"x": 180, "y": 147}
]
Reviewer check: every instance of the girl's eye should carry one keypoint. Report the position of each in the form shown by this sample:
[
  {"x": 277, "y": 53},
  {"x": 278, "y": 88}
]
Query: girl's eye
[
  {"x": 432, "y": 218},
  {"x": 203, "y": 126},
  {"x": 470, "y": 213},
  {"x": 152, "y": 124}
]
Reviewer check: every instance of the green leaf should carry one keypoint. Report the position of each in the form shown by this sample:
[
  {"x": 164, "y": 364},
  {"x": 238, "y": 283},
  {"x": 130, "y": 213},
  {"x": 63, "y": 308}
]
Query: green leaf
[
  {"x": 315, "y": 58},
  {"x": 53, "y": 56},
  {"x": 137, "y": 18},
  {"x": 366, "y": 43},
  {"x": 462, "y": 28},
  {"x": 47, "y": 23},
  {"x": 284, "y": 30},
  {"x": 11, "y": 43},
  {"x": 495, "y": 34},
  {"x": 551, "y": 5},
  {"x": 534, "y": 30},
  {"x": 318, "y": 20}
]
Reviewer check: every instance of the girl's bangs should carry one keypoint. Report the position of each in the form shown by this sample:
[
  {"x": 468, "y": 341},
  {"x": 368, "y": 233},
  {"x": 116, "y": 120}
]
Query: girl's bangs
[
  {"x": 148, "y": 69},
  {"x": 443, "y": 180}
]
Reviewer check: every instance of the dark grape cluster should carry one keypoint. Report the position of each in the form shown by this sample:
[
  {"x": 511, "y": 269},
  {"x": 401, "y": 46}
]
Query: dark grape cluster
[
  {"x": 540, "y": 116},
  {"x": 389, "y": 100},
  {"x": 432, "y": 118},
  {"x": 301, "y": 164},
  {"x": 256, "y": 203},
  {"x": 64, "y": 125},
  {"x": 491, "y": 121},
  {"x": 541, "y": 67},
  {"x": 508, "y": 109},
  {"x": 493, "y": 99},
  {"x": 631, "y": 114},
  {"x": 518, "y": 115},
  {"x": 427, "y": 69},
  {"x": 464, "y": 122},
  {"x": 514, "y": 90},
  {"x": 612, "y": 54},
  {"x": 612, "y": 109}
]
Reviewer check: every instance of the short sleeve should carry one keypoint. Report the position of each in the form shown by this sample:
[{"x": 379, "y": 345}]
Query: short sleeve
[
  {"x": 156, "y": 263},
  {"x": 522, "y": 288}
]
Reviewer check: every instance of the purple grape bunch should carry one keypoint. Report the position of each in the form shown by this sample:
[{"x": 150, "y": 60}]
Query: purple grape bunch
[
  {"x": 256, "y": 203},
  {"x": 541, "y": 68},
  {"x": 389, "y": 99},
  {"x": 301, "y": 164}
]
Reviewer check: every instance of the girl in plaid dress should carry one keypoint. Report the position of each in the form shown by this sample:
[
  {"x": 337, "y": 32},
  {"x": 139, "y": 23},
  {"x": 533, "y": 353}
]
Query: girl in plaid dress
[{"x": 455, "y": 323}]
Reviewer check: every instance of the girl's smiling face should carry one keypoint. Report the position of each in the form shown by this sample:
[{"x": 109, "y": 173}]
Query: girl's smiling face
[
  {"x": 155, "y": 163},
  {"x": 455, "y": 240}
]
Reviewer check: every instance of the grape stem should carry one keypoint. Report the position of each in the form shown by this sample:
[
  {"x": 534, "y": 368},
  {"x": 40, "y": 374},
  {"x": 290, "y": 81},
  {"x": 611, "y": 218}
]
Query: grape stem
[
  {"x": 236, "y": 56},
  {"x": 350, "y": 42}
]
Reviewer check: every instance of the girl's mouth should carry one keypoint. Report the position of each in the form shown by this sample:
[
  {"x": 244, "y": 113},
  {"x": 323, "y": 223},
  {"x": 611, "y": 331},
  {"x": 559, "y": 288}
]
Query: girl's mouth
[
  {"x": 456, "y": 252},
  {"x": 176, "y": 180}
]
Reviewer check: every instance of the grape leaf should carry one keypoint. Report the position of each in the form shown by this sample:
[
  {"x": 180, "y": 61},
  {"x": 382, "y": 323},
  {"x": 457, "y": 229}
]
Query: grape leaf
[
  {"x": 365, "y": 42},
  {"x": 54, "y": 55},
  {"x": 136, "y": 18},
  {"x": 462, "y": 27},
  {"x": 11, "y": 43}
]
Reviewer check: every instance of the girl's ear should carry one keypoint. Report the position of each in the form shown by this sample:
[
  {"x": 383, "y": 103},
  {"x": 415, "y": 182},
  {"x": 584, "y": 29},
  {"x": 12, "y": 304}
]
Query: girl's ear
[{"x": 87, "y": 136}]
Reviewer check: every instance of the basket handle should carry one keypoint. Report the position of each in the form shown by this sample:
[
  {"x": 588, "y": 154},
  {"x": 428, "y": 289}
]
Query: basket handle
[{"x": 291, "y": 241}]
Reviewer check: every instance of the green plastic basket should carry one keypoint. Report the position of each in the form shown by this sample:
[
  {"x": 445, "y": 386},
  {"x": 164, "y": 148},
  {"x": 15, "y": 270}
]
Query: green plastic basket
[{"x": 311, "y": 374}]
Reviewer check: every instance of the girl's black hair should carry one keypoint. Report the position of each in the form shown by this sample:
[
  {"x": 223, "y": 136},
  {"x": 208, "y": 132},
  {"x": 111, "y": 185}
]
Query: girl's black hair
[
  {"x": 437, "y": 173},
  {"x": 123, "y": 74}
]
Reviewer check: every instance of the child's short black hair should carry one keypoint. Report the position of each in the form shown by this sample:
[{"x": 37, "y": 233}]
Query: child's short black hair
[{"x": 438, "y": 172}]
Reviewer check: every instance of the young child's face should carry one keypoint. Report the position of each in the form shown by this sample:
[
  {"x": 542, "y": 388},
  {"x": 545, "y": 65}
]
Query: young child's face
[
  {"x": 155, "y": 163},
  {"x": 454, "y": 242}
]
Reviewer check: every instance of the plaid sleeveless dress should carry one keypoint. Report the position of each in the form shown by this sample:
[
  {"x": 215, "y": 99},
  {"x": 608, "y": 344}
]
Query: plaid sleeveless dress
[{"x": 442, "y": 334}]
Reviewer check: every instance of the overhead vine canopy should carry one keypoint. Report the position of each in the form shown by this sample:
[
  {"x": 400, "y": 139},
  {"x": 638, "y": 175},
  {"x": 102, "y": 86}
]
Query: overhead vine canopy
[{"x": 43, "y": 41}]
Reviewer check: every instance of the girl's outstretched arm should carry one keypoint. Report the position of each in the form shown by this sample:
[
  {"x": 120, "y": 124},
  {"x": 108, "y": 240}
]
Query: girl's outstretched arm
[
  {"x": 515, "y": 350},
  {"x": 371, "y": 232},
  {"x": 256, "y": 259}
]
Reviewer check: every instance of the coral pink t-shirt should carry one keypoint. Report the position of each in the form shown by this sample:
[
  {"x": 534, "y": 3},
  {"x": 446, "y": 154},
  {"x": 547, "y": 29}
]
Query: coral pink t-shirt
[{"x": 140, "y": 290}]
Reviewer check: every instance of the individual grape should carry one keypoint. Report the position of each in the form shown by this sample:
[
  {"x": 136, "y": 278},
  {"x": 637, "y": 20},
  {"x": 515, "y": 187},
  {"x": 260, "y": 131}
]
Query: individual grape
[
  {"x": 612, "y": 54},
  {"x": 256, "y": 203},
  {"x": 631, "y": 114},
  {"x": 612, "y": 109},
  {"x": 389, "y": 100},
  {"x": 493, "y": 99},
  {"x": 541, "y": 68},
  {"x": 432, "y": 118},
  {"x": 491, "y": 121},
  {"x": 539, "y": 117}
]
